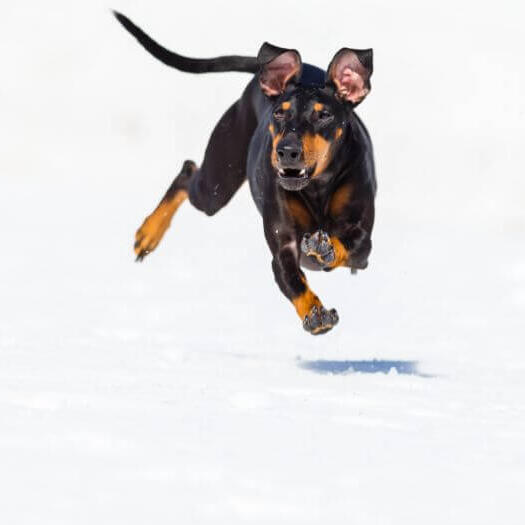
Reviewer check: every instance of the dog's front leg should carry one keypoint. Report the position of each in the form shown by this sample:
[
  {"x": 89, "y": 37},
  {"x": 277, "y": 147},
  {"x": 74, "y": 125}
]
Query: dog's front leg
[
  {"x": 347, "y": 239},
  {"x": 347, "y": 245},
  {"x": 292, "y": 282},
  {"x": 356, "y": 240}
]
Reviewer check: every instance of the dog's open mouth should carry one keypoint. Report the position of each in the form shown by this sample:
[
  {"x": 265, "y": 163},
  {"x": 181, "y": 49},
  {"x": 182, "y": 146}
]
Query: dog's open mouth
[
  {"x": 293, "y": 179},
  {"x": 292, "y": 173}
]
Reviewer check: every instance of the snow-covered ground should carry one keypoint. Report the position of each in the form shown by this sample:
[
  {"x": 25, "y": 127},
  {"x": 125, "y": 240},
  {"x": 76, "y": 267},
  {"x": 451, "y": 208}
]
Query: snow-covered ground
[{"x": 184, "y": 390}]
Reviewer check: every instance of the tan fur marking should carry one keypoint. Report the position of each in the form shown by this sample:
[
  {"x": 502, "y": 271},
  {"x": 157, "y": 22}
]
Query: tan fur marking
[
  {"x": 155, "y": 225},
  {"x": 316, "y": 152},
  {"x": 340, "y": 199},
  {"x": 286, "y": 106},
  {"x": 271, "y": 129},
  {"x": 338, "y": 133},
  {"x": 318, "y": 106},
  {"x": 275, "y": 141},
  {"x": 341, "y": 253},
  {"x": 299, "y": 212},
  {"x": 305, "y": 302}
]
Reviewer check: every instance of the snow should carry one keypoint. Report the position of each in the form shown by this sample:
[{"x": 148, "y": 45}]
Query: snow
[{"x": 184, "y": 389}]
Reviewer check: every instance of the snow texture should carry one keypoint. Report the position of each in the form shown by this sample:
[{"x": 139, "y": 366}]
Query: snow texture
[{"x": 183, "y": 389}]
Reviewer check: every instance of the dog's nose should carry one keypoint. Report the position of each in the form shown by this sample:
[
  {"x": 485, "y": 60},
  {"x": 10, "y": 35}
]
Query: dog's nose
[{"x": 289, "y": 153}]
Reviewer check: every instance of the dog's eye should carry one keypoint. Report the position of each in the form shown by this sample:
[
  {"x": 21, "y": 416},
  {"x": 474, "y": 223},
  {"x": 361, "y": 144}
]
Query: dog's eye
[
  {"x": 324, "y": 115},
  {"x": 278, "y": 113}
]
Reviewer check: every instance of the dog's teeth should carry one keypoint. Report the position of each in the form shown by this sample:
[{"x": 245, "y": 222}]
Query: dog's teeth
[
  {"x": 281, "y": 172},
  {"x": 303, "y": 171}
]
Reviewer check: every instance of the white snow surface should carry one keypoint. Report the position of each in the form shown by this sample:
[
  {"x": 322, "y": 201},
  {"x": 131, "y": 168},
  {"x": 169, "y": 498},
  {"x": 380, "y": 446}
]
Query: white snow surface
[{"x": 184, "y": 389}]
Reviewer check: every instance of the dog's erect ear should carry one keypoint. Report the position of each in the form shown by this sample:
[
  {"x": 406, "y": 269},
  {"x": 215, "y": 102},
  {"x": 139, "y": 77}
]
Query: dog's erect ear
[
  {"x": 349, "y": 72},
  {"x": 278, "y": 68}
]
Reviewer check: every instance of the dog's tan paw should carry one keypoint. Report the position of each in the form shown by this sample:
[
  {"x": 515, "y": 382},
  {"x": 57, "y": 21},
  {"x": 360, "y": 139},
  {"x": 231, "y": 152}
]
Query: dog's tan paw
[
  {"x": 320, "y": 320},
  {"x": 319, "y": 245},
  {"x": 153, "y": 228},
  {"x": 150, "y": 234}
]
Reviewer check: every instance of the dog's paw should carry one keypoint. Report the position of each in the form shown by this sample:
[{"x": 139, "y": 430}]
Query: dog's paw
[
  {"x": 149, "y": 234},
  {"x": 320, "y": 246},
  {"x": 320, "y": 320}
]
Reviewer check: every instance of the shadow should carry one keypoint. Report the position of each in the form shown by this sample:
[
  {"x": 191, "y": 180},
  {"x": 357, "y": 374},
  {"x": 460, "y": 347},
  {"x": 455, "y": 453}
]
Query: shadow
[{"x": 374, "y": 366}]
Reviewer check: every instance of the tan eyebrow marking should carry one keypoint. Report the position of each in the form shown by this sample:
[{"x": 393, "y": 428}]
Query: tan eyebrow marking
[
  {"x": 286, "y": 105},
  {"x": 318, "y": 106}
]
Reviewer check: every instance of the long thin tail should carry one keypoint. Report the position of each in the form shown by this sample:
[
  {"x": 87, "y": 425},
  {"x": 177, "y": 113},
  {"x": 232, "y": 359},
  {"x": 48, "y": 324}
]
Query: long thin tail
[{"x": 189, "y": 65}]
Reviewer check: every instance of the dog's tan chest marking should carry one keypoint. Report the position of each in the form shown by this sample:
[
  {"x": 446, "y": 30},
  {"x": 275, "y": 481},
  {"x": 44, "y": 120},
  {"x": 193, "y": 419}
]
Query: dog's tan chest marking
[{"x": 340, "y": 200}]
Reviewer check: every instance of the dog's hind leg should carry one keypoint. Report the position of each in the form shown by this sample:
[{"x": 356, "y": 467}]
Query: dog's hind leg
[
  {"x": 210, "y": 187},
  {"x": 155, "y": 225},
  {"x": 223, "y": 168}
]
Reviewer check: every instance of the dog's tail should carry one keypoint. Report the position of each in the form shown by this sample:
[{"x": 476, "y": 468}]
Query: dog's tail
[{"x": 189, "y": 65}]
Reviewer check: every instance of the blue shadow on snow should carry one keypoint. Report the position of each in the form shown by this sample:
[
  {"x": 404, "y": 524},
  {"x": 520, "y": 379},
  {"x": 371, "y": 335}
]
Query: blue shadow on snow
[{"x": 374, "y": 366}]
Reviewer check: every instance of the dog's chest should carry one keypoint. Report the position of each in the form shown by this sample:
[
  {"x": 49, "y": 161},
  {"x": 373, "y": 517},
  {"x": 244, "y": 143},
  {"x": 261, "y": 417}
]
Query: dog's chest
[{"x": 318, "y": 196}]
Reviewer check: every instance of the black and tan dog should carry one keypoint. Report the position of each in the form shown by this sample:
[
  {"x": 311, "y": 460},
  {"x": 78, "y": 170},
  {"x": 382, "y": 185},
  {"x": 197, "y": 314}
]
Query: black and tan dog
[{"x": 294, "y": 135}]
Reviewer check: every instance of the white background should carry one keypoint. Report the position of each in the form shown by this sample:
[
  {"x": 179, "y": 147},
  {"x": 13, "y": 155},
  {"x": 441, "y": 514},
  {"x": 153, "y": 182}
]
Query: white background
[{"x": 184, "y": 390}]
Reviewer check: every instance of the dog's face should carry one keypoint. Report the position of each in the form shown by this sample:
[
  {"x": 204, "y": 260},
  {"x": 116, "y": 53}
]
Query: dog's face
[
  {"x": 308, "y": 124},
  {"x": 306, "y": 128}
]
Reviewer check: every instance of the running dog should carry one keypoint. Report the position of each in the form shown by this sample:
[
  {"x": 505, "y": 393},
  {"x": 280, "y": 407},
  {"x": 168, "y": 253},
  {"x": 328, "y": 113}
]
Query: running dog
[{"x": 308, "y": 158}]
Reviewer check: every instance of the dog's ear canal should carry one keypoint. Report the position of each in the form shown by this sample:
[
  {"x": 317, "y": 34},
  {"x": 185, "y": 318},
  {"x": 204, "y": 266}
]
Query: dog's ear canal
[
  {"x": 278, "y": 67},
  {"x": 349, "y": 73}
]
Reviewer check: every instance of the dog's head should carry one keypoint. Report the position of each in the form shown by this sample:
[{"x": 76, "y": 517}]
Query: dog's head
[{"x": 308, "y": 123}]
